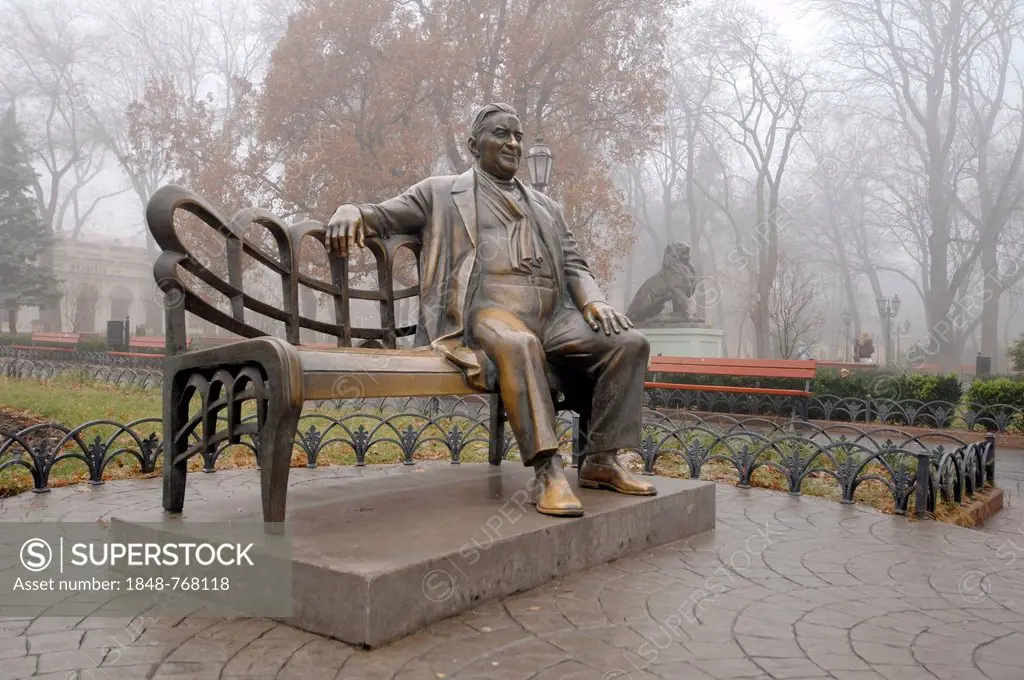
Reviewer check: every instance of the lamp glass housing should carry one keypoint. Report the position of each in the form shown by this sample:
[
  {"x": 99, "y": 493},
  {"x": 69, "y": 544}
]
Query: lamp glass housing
[{"x": 538, "y": 163}]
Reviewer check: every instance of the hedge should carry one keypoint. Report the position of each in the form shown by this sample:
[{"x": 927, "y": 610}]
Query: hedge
[
  {"x": 998, "y": 400},
  {"x": 869, "y": 392},
  {"x": 889, "y": 385},
  {"x": 859, "y": 385},
  {"x": 15, "y": 339}
]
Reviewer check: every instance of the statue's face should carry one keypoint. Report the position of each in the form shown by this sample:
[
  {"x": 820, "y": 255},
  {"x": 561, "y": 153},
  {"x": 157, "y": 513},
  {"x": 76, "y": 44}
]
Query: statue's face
[{"x": 499, "y": 148}]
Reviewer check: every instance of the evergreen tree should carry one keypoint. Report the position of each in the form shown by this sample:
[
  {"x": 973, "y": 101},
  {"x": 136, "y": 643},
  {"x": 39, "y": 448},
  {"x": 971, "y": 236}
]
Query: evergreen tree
[{"x": 23, "y": 237}]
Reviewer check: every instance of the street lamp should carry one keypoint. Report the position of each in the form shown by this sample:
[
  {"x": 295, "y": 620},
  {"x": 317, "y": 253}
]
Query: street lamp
[
  {"x": 538, "y": 164},
  {"x": 903, "y": 328},
  {"x": 887, "y": 309},
  {"x": 846, "y": 318}
]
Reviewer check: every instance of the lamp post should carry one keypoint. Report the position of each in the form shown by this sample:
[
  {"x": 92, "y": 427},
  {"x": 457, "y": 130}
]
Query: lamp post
[
  {"x": 847, "y": 318},
  {"x": 538, "y": 163},
  {"x": 887, "y": 309},
  {"x": 903, "y": 328}
]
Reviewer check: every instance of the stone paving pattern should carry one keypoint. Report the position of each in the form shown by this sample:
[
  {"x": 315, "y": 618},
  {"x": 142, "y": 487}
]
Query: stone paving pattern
[{"x": 783, "y": 588}]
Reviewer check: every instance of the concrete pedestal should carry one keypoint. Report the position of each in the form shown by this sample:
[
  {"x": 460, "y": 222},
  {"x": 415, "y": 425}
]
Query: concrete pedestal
[
  {"x": 686, "y": 342},
  {"x": 381, "y": 558}
]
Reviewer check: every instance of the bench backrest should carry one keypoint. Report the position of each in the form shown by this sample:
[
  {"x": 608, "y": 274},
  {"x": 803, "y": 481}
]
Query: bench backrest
[
  {"x": 152, "y": 342},
  {"x": 285, "y": 264},
  {"x": 214, "y": 341},
  {"x": 148, "y": 342},
  {"x": 754, "y": 368},
  {"x": 58, "y": 338}
]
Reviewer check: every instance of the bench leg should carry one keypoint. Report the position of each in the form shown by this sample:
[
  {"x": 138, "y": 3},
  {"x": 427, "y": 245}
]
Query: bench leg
[
  {"x": 277, "y": 439},
  {"x": 496, "y": 442},
  {"x": 266, "y": 370},
  {"x": 581, "y": 424},
  {"x": 175, "y": 444}
]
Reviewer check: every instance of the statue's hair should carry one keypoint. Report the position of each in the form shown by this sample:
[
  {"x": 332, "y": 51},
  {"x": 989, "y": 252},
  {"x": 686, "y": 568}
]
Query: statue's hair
[{"x": 476, "y": 127}]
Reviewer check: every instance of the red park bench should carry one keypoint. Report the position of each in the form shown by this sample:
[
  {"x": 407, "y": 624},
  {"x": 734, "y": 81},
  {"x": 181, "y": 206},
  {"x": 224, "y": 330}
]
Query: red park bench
[
  {"x": 216, "y": 341},
  {"x": 804, "y": 369},
  {"x": 142, "y": 346},
  {"x": 149, "y": 342},
  {"x": 67, "y": 342}
]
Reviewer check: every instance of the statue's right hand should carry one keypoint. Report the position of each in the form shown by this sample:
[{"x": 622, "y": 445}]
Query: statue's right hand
[{"x": 345, "y": 227}]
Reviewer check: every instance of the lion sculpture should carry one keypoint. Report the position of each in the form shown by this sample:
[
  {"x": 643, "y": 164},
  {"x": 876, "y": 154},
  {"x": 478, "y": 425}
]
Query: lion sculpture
[{"x": 675, "y": 283}]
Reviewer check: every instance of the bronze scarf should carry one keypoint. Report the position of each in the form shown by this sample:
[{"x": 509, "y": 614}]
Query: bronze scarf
[{"x": 523, "y": 251}]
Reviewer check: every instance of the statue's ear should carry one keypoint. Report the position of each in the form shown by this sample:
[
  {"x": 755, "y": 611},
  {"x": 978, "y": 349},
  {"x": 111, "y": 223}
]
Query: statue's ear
[{"x": 473, "y": 147}]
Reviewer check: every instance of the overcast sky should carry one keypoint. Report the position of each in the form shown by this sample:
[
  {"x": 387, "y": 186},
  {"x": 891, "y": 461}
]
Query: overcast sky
[{"x": 122, "y": 216}]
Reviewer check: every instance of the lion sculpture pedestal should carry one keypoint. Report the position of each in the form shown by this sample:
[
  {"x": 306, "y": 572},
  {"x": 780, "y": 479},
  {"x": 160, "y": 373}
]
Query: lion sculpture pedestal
[
  {"x": 679, "y": 333},
  {"x": 708, "y": 343}
]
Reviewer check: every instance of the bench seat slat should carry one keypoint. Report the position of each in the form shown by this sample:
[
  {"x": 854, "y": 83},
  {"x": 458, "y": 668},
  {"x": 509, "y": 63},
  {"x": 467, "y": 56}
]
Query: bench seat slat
[
  {"x": 34, "y": 348},
  {"x": 733, "y": 361},
  {"x": 364, "y": 372},
  {"x": 746, "y": 373},
  {"x": 326, "y": 385},
  {"x": 348, "y": 372},
  {"x": 726, "y": 388}
]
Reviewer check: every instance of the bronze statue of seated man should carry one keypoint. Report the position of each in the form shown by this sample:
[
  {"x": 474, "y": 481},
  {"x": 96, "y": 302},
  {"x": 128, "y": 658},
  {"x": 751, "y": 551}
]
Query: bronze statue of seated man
[{"x": 502, "y": 280}]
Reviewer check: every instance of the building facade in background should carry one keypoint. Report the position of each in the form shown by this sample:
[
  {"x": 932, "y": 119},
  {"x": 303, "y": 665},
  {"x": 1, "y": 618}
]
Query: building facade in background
[{"x": 102, "y": 280}]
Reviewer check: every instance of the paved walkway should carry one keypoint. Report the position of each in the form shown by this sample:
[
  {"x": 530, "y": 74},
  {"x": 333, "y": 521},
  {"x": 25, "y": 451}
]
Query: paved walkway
[
  {"x": 783, "y": 588},
  {"x": 1010, "y": 477}
]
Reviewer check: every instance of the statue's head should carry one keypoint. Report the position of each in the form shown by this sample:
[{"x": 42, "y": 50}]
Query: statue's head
[
  {"x": 676, "y": 255},
  {"x": 496, "y": 140}
]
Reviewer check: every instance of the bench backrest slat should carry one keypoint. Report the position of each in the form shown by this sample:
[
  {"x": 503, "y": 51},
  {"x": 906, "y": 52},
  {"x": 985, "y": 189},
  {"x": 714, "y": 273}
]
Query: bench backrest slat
[
  {"x": 152, "y": 342},
  {"x": 757, "y": 368},
  {"x": 148, "y": 341},
  {"x": 58, "y": 338}
]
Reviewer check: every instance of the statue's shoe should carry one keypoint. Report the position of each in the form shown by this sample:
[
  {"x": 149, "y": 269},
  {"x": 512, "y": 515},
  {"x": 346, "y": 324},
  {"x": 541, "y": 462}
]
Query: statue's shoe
[
  {"x": 557, "y": 499},
  {"x": 604, "y": 471},
  {"x": 553, "y": 495}
]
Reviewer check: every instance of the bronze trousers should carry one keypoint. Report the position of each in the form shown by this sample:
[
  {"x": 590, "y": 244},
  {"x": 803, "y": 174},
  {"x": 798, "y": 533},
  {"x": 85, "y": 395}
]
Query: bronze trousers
[{"x": 520, "y": 324}]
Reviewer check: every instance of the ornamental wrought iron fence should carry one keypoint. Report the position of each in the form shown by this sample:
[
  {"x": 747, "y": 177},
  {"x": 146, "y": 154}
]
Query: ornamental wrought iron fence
[
  {"x": 125, "y": 375},
  {"x": 79, "y": 356},
  {"x": 926, "y": 467},
  {"x": 936, "y": 414}
]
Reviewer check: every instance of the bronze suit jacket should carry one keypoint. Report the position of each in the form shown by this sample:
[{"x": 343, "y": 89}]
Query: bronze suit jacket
[{"x": 442, "y": 211}]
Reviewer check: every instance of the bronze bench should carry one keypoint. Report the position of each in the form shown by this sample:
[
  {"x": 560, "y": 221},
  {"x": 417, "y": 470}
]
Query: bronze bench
[{"x": 279, "y": 374}]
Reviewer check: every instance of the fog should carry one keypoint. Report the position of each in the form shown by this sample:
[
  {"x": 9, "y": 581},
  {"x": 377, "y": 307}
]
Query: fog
[{"x": 816, "y": 156}]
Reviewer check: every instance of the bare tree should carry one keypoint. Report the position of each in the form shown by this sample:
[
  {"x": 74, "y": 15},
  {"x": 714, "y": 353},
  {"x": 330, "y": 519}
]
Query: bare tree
[
  {"x": 935, "y": 75},
  {"x": 731, "y": 195},
  {"x": 994, "y": 127},
  {"x": 44, "y": 47},
  {"x": 681, "y": 158},
  {"x": 768, "y": 96},
  {"x": 794, "y": 308},
  {"x": 47, "y": 47},
  {"x": 78, "y": 306}
]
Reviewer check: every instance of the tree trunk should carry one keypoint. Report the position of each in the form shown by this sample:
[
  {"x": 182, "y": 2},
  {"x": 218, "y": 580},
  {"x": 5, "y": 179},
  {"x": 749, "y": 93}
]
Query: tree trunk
[
  {"x": 990, "y": 303},
  {"x": 12, "y": 319},
  {"x": 762, "y": 283},
  {"x": 49, "y": 314},
  {"x": 739, "y": 337},
  {"x": 940, "y": 300},
  {"x": 693, "y": 217}
]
